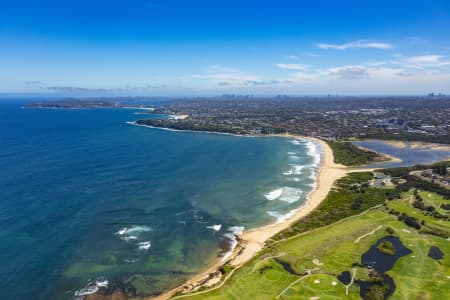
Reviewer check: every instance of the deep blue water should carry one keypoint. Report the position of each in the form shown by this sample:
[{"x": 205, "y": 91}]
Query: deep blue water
[{"x": 85, "y": 195}]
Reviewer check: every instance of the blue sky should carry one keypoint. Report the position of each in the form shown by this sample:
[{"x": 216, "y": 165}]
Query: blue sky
[{"x": 168, "y": 47}]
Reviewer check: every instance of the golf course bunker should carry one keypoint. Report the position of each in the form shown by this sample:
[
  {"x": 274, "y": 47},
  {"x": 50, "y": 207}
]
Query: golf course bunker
[
  {"x": 379, "y": 263},
  {"x": 435, "y": 253}
]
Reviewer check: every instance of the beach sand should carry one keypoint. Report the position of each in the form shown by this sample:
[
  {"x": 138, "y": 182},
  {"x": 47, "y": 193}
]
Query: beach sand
[
  {"x": 417, "y": 145},
  {"x": 253, "y": 240}
]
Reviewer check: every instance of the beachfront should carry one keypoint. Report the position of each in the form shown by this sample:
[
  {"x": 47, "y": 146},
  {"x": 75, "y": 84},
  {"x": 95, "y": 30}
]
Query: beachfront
[{"x": 253, "y": 240}]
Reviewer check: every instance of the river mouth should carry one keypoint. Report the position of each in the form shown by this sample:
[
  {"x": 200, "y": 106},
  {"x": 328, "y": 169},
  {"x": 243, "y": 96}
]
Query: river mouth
[
  {"x": 378, "y": 262},
  {"x": 409, "y": 155}
]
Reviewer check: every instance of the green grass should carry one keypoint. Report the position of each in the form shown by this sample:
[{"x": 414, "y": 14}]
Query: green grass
[
  {"x": 416, "y": 275},
  {"x": 435, "y": 200},
  {"x": 333, "y": 238},
  {"x": 339, "y": 203},
  {"x": 386, "y": 247},
  {"x": 404, "y": 205},
  {"x": 350, "y": 155},
  {"x": 334, "y": 250}
]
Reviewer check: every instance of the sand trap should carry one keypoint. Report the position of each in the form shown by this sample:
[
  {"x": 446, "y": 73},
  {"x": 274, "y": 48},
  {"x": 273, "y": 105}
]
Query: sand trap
[{"x": 317, "y": 262}]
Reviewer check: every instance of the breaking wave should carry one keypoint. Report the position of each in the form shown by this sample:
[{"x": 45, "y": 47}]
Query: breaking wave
[
  {"x": 274, "y": 194},
  {"x": 287, "y": 194},
  {"x": 135, "y": 229},
  {"x": 294, "y": 170},
  {"x": 215, "y": 227},
  {"x": 231, "y": 238},
  {"x": 144, "y": 245},
  {"x": 281, "y": 217},
  {"x": 91, "y": 288}
]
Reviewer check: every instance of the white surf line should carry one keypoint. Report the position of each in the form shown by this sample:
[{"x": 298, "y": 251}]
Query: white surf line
[
  {"x": 296, "y": 281},
  {"x": 276, "y": 256},
  {"x": 367, "y": 234},
  {"x": 351, "y": 282}
]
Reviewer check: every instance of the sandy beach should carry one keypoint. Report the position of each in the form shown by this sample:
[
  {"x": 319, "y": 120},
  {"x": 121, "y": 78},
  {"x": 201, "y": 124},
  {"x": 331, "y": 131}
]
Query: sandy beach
[
  {"x": 253, "y": 240},
  {"x": 416, "y": 145}
]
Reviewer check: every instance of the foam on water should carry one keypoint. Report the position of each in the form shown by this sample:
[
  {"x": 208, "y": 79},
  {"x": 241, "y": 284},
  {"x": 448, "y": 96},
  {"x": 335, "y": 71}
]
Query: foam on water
[
  {"x": 236, "y": 230},
  {"x": 215, "y": 227},
  {"x": 291, "y": 194},
  {"x": 274, "y": 194},
  {"x": 135, "y": 229},
  {"x": 91, "y": 288},
  {"x": 233, "y": 233},
  {"x": 144, "y": 245},
  {"x": 137, "y": 188},
  {"x": 129, "y": 238},
  {"x": 313, "y": 150},
  {"x": 287, "y": 194},
  {"x": 102, "y": 282},
  {"x": 294, "y": 170},
  {"x": 281, "y": 217}
]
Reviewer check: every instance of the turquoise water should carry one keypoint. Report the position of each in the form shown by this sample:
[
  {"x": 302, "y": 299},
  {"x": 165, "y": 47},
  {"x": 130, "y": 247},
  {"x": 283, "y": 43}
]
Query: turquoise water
[
  {"x": 409, "y": 156},
  {"x": 85, "y": 196}
]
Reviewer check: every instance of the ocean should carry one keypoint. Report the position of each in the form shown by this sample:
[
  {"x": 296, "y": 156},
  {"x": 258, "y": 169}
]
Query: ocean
[{"x": 86, "y": 197}]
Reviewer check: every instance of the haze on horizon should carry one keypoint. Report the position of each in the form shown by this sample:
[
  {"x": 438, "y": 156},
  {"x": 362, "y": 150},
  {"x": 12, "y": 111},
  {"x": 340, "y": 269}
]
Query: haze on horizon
[{"x": 156, "y": 47}]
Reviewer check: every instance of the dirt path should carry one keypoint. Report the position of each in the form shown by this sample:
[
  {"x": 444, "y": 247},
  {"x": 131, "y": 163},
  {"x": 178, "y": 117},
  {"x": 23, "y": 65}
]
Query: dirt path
[{"x": 367, "y": 234}]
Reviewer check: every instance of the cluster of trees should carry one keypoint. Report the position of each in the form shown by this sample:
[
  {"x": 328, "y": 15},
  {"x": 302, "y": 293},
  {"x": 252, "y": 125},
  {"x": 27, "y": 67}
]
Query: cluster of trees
[
  {"x": 440, "y": 169},
  {"x": 357, "y": 203},
  {"x": 410, "y": 221},
  {"x": 445, "y": 206},
  {"x": 348, "y": 154},
  {"x": 419, "y": 204},
  {"x": 415, "y": 182}
]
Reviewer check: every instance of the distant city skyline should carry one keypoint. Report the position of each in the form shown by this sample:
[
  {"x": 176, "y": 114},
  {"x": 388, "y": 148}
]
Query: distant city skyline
[{"x": 184, "y": 48}]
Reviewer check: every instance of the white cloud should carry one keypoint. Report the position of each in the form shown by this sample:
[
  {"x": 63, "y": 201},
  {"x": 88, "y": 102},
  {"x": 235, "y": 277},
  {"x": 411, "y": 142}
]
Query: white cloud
[
  {"x": 300, "y": 67},
  {"x": 356, "y": 44},
  {"x": 424, "y": 61}
]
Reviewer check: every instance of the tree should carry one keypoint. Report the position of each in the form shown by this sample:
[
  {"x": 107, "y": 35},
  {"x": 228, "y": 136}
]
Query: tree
[{"x": 440, "y": 169}]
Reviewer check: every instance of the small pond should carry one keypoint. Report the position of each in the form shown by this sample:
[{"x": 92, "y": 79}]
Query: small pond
[
  {"x": 381, "y": 263},
  {"x": 435, "y": 253}
]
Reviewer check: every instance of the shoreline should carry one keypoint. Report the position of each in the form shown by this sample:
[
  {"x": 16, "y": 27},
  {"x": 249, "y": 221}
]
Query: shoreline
[
  {"x": 414, "y": 145},
  {"x": 251, "y": 241},
  {"x": 387, "y": 157}
]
